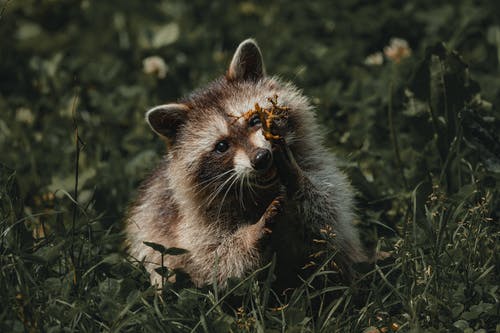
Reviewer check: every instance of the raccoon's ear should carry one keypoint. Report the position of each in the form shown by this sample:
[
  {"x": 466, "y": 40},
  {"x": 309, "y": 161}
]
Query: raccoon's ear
[
  {"x": 166, "y": 119},
  {"x": 247, "y": 63}
]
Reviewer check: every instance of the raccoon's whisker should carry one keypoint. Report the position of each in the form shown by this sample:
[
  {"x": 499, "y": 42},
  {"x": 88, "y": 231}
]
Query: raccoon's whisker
[
  {"x": 225, "y": 194},
  {"x": 220, "y": 188},
  {"x": 245, "y": 184},
  {"x": 209, "y": 181},
  {"x": 240, "y": 199},
  {"x": 251, "y": 189},
  {"x": 238, "y": 191}
]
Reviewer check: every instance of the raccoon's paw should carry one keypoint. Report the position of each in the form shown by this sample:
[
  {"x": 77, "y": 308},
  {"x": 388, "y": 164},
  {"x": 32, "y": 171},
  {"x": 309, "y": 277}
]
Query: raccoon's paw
[
  {"x": 272, "y": 211},
  {"x": 255, "y": 235},
  {"x": 289, "y": 171}
]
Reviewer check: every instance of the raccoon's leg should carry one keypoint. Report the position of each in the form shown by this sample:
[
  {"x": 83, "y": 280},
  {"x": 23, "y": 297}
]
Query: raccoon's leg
[
  {"x": 289, "y": 171},
  {"x": 239, "y": 253},
  {"x": 324, "y": 200}
]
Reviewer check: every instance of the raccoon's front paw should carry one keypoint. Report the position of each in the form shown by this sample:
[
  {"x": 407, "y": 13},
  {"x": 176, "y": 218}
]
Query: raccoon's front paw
[
  {"x": 267, "y": 222},
  {"x": 289, "y": 171},
  {"x": 255, "y": 235},
  {"x": 272, "y": 211}
]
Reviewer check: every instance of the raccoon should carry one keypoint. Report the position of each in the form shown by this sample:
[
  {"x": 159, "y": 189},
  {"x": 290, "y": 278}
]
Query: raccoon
[{"x": 233, "y": 198}]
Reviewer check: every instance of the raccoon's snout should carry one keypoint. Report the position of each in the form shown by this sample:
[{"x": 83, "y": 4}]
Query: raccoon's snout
[{"x": 262, "y": 159}]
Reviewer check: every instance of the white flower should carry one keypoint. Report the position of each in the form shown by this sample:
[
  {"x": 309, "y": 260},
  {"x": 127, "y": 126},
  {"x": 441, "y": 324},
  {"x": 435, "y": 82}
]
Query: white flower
[
  {"x": 155, "y": 65},
  {"x": 397, "y": 50},
  {"x": 24, "y": 115},
  {"x": 375, "y": 59}
]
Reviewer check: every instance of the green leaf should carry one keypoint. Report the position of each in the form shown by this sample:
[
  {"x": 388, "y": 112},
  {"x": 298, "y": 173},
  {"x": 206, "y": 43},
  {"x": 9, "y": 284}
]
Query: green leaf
[
  {"x": 163, "y": 271},
  {"x": 157, "y": 247},
  {"x": 175, "y": 251}
]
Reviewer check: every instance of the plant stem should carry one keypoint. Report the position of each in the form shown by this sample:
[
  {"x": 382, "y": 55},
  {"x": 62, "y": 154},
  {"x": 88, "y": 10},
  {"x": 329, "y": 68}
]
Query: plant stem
[{"x": 394, "y": 140}]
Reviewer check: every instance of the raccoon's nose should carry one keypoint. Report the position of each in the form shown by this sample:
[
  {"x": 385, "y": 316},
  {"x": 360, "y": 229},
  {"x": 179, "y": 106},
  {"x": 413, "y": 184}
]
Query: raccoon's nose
[{"x": 262, "y": 160}]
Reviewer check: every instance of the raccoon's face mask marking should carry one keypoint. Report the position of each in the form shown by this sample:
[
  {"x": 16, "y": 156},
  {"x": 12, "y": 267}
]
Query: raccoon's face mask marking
[
  {"x": 253, "y": 160},
  {"x": 234, "y": 166},
  {"x": 222, "y": 146}
]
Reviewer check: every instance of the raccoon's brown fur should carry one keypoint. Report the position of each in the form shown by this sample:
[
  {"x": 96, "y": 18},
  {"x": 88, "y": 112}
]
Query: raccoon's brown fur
[{"x": 232, "y": 198}]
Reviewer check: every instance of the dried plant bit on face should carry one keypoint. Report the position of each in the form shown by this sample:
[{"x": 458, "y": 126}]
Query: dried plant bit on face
[
  {"x": 269, "y": 117},
  {"x": 272, "y": 116}
]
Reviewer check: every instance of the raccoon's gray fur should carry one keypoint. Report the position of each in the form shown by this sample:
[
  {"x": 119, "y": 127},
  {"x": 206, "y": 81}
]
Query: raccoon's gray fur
[{"x": 230, "y": 197}]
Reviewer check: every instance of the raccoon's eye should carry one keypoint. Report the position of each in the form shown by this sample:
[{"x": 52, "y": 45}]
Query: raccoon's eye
[
  {"x": 255, "y": 120},
  {"x": 222, "y": 146}
]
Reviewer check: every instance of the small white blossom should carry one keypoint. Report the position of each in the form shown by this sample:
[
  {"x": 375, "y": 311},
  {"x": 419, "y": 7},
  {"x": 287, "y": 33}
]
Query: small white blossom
[
  {"x": 397, "y": 50},
  {"x": 24, "y": 115},
  {"x": 375, "y": 59},
  {"x": 155, "y": 65}
]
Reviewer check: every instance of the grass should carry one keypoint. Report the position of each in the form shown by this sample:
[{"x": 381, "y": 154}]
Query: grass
[{"x": 420, "y": 133}]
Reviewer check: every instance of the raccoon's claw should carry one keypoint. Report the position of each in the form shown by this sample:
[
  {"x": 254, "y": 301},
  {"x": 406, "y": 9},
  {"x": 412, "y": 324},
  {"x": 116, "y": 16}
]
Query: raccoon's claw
[
  {"x": 274, "y": 208},
  {"x": 267, "y": 231},
  {"x": 263, "y": 228}
]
